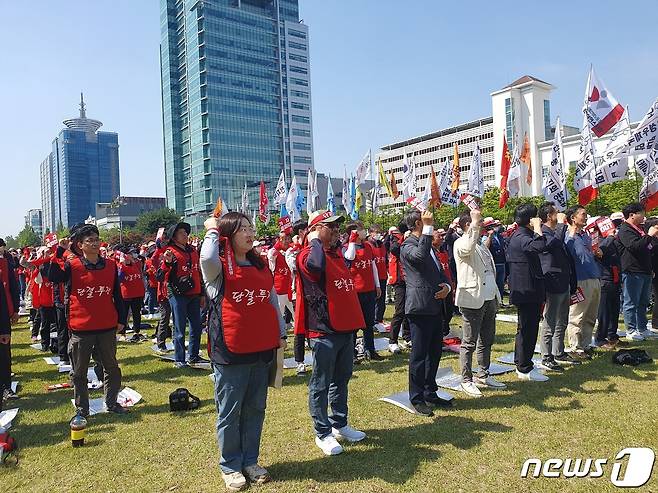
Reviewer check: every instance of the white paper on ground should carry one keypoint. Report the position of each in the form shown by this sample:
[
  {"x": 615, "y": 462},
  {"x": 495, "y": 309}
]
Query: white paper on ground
[
  {"x": 507, "y": 318},
  {"x": 64, "y": 368},
  {"x": 53, "y": 335},
  {"x": 496, "y": 369},
  {"x": 14, "y": 387},
  {"x": 401, "y": 399},
  {"x": 170, "y": 346},
  {"x": 36, "y": 346},
  {"x": 127, "y": 398},
  {"x": 52, "y": 360},
  {"x": 447, "y": 379},
  {"x": 6, "y": 417},
  {"x": 381, "y": 344},
  {"x": 509, "y": 359},
  {"x": 383, "y": 328},
  {"x": 290, "y": 363},
  {"x": 201, "y": 366},
  {"x": 166, "y": 357}
]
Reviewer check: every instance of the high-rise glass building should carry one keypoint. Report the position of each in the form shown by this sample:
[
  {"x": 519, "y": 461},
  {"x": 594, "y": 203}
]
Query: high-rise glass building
[
  {"x": 81, "y": 170},
  {"x": 236, "y": 99}
]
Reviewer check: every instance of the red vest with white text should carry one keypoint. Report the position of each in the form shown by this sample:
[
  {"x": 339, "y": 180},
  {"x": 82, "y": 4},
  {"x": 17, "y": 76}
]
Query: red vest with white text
[
  {"x": 91, "y": 301},
  {"x": 132, "y": 285},
  {"x": 379, "y": 256},
  {"x": 345, "y": 314},
  {"x": 282, "y": 275},
  {"x": 186, "y": 262},
  {"x": 361, "y": 269}
]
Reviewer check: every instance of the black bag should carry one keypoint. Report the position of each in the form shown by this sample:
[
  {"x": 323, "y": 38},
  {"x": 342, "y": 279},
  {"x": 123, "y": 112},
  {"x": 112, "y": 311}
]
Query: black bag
[
  {"x": 631, "y": 357},
  {"x": 181, "y": 400},
  {"x": 184, "y": 284}
]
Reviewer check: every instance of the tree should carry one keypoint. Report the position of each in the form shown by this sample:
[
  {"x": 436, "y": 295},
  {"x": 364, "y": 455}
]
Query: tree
[
  {"x": 27, "y": 237},
  {"x": 270, "y": 229},
  {"x": 149, "y": 222},
  {"x": 11, "y": 242}
]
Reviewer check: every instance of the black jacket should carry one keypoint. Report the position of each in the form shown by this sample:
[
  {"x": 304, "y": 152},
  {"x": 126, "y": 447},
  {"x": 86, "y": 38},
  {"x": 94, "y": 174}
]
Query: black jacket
[
  {"x": 526, "y": 278},
  {"x": 635, "y": 251},
  {"x": 423, "y": 277},
  {"x": 556, "y": 263},
  {"x": 608, "y": 262}
]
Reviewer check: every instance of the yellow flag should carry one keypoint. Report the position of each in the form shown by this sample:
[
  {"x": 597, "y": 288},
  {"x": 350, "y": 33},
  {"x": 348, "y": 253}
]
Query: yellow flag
[
  {"x": 383, "y": 180},
  {"x": 455, "y": 171},
  {"x": 359, "y": 198}
]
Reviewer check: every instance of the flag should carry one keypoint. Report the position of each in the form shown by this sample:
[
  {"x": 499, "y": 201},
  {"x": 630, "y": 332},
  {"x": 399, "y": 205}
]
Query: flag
[
  {"x": 311, "y": 193},
  {"x": 347, "y": 203},
  {"x": 583, "y": 180},
  {"x": 383, "y": 181},
  {"x": 300, "y": 202},
  {"x": 435, "y": 193},
  {"x": 554, "y": 186},
  {"x": 220, "y": 208},
  {"x": 285, "y": 224},
  {"x": 475, "y": 179},
  {"x": 331, "y": 202},
  {"x": 525, "y": 158},
  {"x": 649, "y": 191},
  {"x": 505, "y": 163},
  {"x": 601, "y": 109},
  {"x": 448, "y": 197},
  {"x": 642, "y": 140},
  {"x": 610, "y": 170},
  {"x": 281, "y": 192},
  {"x": 292, "y": 199},
  {"x": 422, "y": 201},
  {"x": 358, "y": 201},
  {"x": 354, "y": 211},
  {"x": 263, "y": 203},
  {"x": 408, "y": 179},
  {"x": 394, "y": 187},
  {"x": 363, "y": 169},
  {"x": 455, "y": 171},
  {"x": 514, "y": 175},
  {"x": 244, "y": 207}
]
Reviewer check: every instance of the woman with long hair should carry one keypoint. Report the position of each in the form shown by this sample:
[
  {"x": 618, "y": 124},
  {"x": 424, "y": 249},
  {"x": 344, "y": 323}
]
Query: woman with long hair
[{"x": 244, "y": 330}]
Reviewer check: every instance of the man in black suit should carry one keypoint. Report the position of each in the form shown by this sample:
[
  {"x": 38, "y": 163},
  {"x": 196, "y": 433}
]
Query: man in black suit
[
  {"x": 526, "y": 283},
  {"x": 426, "y": 287}
]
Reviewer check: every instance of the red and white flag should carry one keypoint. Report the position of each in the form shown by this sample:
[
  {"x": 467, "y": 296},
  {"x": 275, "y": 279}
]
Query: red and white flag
[
  {"x": 263, "y": 203},
  {"x": 649, "y": 191},
  {"x": 601, "y": 108},
  {"x": 505, "y": 164}
]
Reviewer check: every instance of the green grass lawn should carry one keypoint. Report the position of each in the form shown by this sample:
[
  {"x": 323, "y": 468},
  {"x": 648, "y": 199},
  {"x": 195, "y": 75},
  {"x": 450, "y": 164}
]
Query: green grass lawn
[{"x": 593, "y": 410}]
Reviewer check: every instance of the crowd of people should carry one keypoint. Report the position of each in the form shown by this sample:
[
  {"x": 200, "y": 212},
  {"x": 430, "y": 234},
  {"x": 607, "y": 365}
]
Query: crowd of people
[{"x": 567, "y": 274}]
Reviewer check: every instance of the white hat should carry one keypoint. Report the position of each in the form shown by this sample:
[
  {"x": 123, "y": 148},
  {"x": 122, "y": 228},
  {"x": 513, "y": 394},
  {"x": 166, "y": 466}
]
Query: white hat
[{"x": 616, "y": 215}]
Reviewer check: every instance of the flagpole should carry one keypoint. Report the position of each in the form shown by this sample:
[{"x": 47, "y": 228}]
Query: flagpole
[{"x": 637, "y": 186}]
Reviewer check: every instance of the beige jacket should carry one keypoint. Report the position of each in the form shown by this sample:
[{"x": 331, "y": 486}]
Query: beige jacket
[{"x": 471, "y": 258}]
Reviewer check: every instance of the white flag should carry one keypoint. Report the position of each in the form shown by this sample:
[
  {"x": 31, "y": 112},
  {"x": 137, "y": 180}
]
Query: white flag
[
  {"x": 445, "y": 183},
  {"x": 245, "y": 200},
  {"x": 649, "y": 192},
  {"x": 311, "y": 193},
  {"x": 555, "y": 182},
  {"x": 422, "y": 201},
  {"x": 583, "y": 180},
  {"x": 281, "y": 192},
  {"x": 514, "y": 175},
  {"x": 601, "y": 108},
  {"x": 292, "y": 200},
  {"x": 347, "y": 201},
  {"x": 612, "y": 170},
  {"x": 408, "y": 179},
  {"x": 363, "y": 169},
  {"x": 475, "y": 179}
]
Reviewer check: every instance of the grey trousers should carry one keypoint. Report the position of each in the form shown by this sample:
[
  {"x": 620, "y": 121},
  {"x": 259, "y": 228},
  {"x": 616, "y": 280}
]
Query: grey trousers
[
  {"x": 479, "y": 331},
  {"x": 81, "y": 345},
  {"x": 554, "y": 325}
]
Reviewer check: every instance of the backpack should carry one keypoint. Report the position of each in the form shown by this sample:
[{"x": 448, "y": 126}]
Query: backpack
[
  {"x": 631, "y": 357},
  {"x": 181, "y": 400}
]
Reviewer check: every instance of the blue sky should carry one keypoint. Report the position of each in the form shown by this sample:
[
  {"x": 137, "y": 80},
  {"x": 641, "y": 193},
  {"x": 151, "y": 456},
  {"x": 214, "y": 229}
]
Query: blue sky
[{"x": 382, "y": 71}]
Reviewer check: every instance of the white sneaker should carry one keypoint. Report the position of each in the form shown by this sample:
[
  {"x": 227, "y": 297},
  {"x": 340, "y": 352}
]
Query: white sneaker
[
  {"x": 489, "y": 382},
  {"x": 348, "y": 433},
  {"x": 393, "y": 348},
  {"x": 647, "y": 334},
  {"x": 634, "y": 336},
  {"x": 471, "y": 389},
  {"x": 301, "y": 369},
  {"x": 534, "y": 376},
  {"x": 234, "y": 481},
  {"x": 329, "y": 445}
]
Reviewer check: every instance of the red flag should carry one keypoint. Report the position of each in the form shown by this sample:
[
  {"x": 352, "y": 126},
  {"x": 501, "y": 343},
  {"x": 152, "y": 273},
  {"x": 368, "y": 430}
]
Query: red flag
[
  {"x": 262, "y": 203},
  {"x": 525, "y": 158},
  {"x": 587, "y": 194},
  {"x": 435, "y": 199},
  {"x": 394, "y": 186},
  {"x": 505, "y": 164}
]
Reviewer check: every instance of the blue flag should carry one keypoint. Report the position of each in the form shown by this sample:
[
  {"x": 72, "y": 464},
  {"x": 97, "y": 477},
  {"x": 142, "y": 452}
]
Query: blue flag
[
  {"x": 355, "y": 212},
  {"x": 331, "y": 204}
]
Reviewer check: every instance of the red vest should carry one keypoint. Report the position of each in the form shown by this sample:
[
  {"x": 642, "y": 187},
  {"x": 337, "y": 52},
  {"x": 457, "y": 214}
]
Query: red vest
[
  {"x": 345, "y": 312},
  {"x": 282, "y": 275},
  {"x": 45, "y": 293},
  {"x": 91, "y": 301},
  {"x": 379, "y": 256},
  {"x": 186, "y": 261},
  {"x": 361, "y": 269},
  {"x": 4, "y": 279},
  {"x": 132, "y": 285},
  {"x": 249, "y": 320},
  {"x": 395, "y": 272}
]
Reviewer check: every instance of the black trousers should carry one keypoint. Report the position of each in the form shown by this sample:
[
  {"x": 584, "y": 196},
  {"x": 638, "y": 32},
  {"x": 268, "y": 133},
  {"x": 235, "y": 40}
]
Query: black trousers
[
  {"x": 609, "y": 312},
  {"x": 48, "y": 317},
  {"x": 164, "y": 329},
  {"x": 426, "y": 348},
  {"x": 526, "y": 335},
  {"x": 299, "y": 347},
  {"x": 135, "y": 305},
  {"x": 367, "y": 301},
  {"x": 654, "y": 309},
  {"x": 380, "y": 303},
  {"x": 62, "y": 334},
  {"x": 5, "y": 369},
  {"x": 399, "y": 321},
  {"x": 35, "y": 318}
]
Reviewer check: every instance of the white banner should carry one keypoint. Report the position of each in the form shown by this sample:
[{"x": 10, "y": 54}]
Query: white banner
[
  {"x": 363, "y": 169},
  {"x": 555, "y": 183},
  {"x": 612, "y": 170},
  {"x": 584, "y": 176},
  {"x": 281, "y": 192},
  {"x": 650, "y": 182},
  {"x": 445, "y": 182},
  {"x": 408, "y": 178},
  {"x": 639, "y": 141},
  {"x": 475, "y": 179},
  {"x": 514, "y": 175}
]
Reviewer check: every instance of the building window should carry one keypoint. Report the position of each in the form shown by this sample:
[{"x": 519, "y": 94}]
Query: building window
[
  {"x": 509, "y": 123},
  {"x": 302, "y": 160},
  {"x": 301, "y": 146},
  {"x": 301, "y": 119},
  {"x": 297, "y": 34},
  {"x": 548, "y": 133}
]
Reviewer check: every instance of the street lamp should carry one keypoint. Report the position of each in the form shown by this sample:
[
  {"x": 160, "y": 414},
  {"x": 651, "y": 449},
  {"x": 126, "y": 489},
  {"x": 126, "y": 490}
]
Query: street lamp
[{"x": 114, "y": 206}]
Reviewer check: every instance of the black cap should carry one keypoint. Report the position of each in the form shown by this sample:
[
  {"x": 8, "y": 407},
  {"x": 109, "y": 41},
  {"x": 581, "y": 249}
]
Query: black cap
[
  {"x": 2, "y": 242},
  {"x": 172, "y": 229}
]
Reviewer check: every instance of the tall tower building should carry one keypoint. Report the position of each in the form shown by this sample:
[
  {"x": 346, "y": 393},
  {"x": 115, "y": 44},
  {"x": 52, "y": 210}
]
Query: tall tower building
[
  {"x": 81, "y": 170},
  {"x": 236, "y": 99}
]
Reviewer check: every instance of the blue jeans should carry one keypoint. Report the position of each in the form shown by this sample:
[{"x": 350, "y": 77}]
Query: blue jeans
[
  {"x": 332, "y": 370},
  {"x": 152, "y": 300},
  {"x": 186, "y": 308},
  {"x": 500, "y": 278},
  {"x": 637, "y": 293},
  {"x": 240, "y": 398}
]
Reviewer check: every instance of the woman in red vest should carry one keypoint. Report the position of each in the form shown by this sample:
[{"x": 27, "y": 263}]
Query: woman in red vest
[
  {"x": 9, "y": 306},
  {"x": 380, "y": 256},
  {"x": 43, "y": 297},
  {"x": 132, "y": 288},
  {"x": 244, "y": 329},
  {"x": 95, "y": 312}
]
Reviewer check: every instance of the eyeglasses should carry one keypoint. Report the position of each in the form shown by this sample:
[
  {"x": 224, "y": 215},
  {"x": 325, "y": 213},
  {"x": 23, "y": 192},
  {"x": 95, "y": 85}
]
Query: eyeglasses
[{"x": 91, "y": 240}]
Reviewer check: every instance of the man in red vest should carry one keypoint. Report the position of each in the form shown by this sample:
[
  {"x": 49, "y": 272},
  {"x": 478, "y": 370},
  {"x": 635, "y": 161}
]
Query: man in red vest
[
  {"x": 328, "y": 311},
  {"x": 132, "y": 288},
  {"x": 95, "y": 312},
  {"x": 281, "y": 272},
  {"x": 380, "y": 256},
  {"x": 396, "y": 279},
  {"x": 9, "y": 306}
]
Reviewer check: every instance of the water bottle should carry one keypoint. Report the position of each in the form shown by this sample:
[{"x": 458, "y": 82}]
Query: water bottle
[{"x": 78, "y": 424}]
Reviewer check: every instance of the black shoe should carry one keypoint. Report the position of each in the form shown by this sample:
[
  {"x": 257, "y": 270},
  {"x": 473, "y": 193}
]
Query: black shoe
[
  {"x": 356, "y": 361},
  {"x": 423, "y": 409},
  {"x": 375, "y": 356},
  {"x": 566, "y": 359},
  {"x": 550, "y": 364},
  {"x": 438, "y": 402},
  {"x": 82, "y": 412},
  {"x": 589, "y": 351},
  {"x": 198, "y": 361},
  {"x": 117, "y": 409}
]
